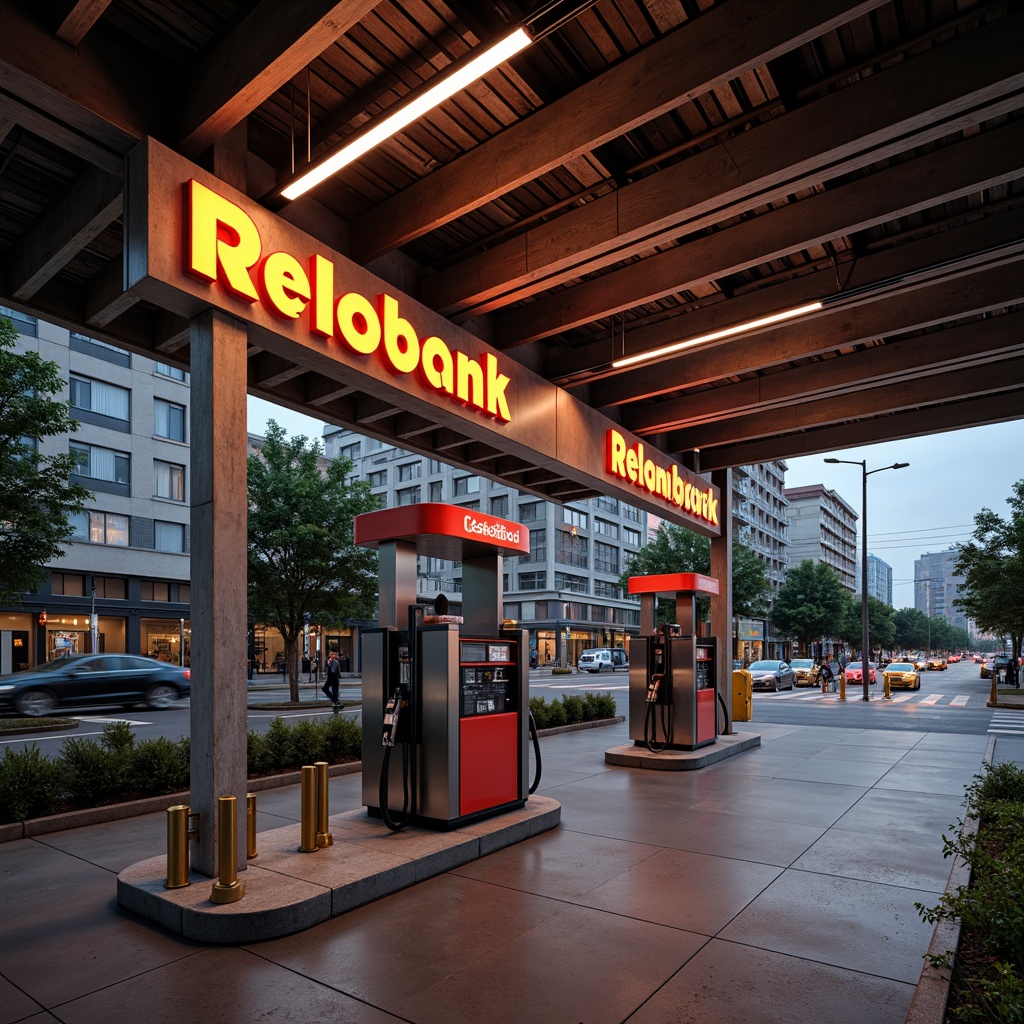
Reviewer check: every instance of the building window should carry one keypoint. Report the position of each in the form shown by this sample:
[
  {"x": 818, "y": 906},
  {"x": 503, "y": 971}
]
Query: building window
[
  {"x": 436, "y": 490},
  {"x": 572, "y": 549},
  {"x": 23, "y": 323},
  {"x": 631, "y": 512},
  {"x": 67, "y": 584},
  {"x": 168, "y": 420},
  {"x": 160, "y": 590},
  {"x": 98, "y": 463},
  {"x": 631, "y": 536},
  {"x": 566, "y": 581},
  {"x": 168, "y": 536},
  {"x": 434, "y": 466},
  {"x": 378, "y": 479},
  {"x": 470, "y": 506},
  {"x": 113, "y": 588},
  {"x": 466, "y": 485},
  {"x": 499, "y": 506},
  {"x": 530, "y": 512},
  {"x": 170, "y": 480},
  {"x": 538, "y": 546},
  {"x": 603, "y": 588},
  {"x": 409, "y": 496},
  {"x": 606, "y": 557},
  {"x": 409, "y": 471},
  {"x": 533, "y": 580},
  {"x": 606, "y": 529},
  {"x": 174, "y": 372},
  {"x": 100, "y": 528},
  {"x": 607, "y": 504},
  {"x": 350, "y": 452},
  {"x": 99, "y": 397},
  {"x": 573, "y": 517}
]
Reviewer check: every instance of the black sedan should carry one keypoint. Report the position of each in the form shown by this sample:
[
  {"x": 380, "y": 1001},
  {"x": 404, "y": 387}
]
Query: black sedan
[
  {"x": 771, "y": 675},
  {"x": 91, "y": 680}
]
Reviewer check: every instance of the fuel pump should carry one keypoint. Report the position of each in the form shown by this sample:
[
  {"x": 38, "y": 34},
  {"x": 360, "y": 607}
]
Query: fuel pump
[{"x": 659, "y": 690}]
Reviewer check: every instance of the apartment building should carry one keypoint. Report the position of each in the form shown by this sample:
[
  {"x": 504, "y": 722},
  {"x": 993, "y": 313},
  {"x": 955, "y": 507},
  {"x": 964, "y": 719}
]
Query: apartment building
[
  {"x": 879, "y": 579},
  {"x": 565, "y": 592},
  {"x": 937, "y": 587},
  {"x": 128, "y": 560},
  {"x": 823, "y": 528}
]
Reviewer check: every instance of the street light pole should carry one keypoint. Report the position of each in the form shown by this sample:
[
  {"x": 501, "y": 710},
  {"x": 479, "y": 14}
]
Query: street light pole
[{"x": 865, "y": 640}]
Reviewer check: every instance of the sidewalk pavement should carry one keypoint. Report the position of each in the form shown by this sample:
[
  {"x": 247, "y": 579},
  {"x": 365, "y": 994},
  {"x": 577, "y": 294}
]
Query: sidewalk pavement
[{"x": 776, "y": 886}]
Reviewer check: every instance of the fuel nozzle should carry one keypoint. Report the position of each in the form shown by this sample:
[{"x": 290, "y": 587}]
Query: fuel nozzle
[
  {"x": 652, "y": 688},
  {"x": 398, "y": 700}
]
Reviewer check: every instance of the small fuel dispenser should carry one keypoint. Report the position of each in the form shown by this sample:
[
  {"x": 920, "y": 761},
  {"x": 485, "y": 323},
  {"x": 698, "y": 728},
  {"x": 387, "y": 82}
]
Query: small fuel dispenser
[
  {"x": 450, "y": 694},
  {"x": 672, "y": 671}
]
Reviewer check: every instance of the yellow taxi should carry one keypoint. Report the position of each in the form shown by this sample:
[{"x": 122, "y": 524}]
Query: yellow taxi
[
  {"x": 936, "y": 664},
  {"x": 920, "y": 664},
  {"x": 901, "y": 675}
]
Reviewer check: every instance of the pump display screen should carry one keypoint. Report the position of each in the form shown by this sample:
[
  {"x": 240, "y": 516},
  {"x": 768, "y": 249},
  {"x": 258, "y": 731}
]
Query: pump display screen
[{"x": 484, "y": 691}]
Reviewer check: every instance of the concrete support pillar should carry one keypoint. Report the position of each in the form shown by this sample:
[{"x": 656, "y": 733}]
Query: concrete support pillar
[
  {"x": 721, "y": 606},
  {"x": 219, "y": 511},
  {"x": 482, "y": 597},
  {"x": 396, "y": 582}
]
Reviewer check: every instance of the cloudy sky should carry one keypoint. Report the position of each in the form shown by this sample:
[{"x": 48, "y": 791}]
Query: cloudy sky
[{"x": 926, "y": 507}]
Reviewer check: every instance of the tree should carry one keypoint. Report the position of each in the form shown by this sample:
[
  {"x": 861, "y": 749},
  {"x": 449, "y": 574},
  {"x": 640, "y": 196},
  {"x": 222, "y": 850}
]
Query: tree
[
  {"x": 36, "y": 495},
  {"x": 676, "y": 549},
  {"x": 301, "y": 556},
  {"x": 911, "y": 629},
  {"x": 992, "y": 567},
  {"x": 812, "y": 602},
  {"x": 881, "y": 625}
]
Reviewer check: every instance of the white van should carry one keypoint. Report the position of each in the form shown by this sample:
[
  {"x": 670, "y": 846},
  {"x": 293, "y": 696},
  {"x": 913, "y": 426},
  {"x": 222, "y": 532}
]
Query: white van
[{"x": 598, "y": 658}]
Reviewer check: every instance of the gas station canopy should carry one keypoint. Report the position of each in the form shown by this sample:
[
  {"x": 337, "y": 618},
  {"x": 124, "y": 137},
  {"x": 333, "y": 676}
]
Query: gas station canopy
[{"x": 730, "y": 231}]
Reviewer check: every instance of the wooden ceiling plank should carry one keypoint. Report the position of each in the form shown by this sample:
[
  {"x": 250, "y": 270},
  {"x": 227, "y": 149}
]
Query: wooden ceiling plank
[
  {"x": 268, "y": 371},
  {"x": 727, "y": 41},
  {"x": 87, "y": 208},
  {"x": 106, "y": 298},
  {"x": 976, "y": 163},
  {"x": 272, "y": 44},
  {"x": 321, "y": 391},
  {"x": 916, "y": 358},
  {"x": 955, "y": 245},
  {"x": 941, "y": 388},
  {"x": 77, "y": 17},
  {"x": 971, "y": 412},
  {"x": 882, "y": 115},
  {"x": 971, "y": 294}
]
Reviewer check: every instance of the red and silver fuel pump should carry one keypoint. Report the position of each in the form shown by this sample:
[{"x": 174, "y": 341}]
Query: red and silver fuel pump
[
  {"x": 672, "y": 671},
  {"x": 445, "y": 698}
]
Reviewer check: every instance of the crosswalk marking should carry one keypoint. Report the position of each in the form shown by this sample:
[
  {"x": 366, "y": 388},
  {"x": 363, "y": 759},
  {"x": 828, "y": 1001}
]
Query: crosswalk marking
[
  {"x": 932, "y": 698},
  {"x": 899, "y": 698},
  {"x": 1007, "y": 723},
  {"x": 959, "y": 700}
]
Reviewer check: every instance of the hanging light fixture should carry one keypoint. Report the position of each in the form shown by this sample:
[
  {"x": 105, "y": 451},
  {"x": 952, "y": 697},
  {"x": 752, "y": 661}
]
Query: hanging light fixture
[{"x": 440, "y": 88}]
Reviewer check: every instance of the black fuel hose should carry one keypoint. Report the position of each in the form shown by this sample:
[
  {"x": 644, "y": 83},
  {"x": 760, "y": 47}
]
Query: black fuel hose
[
  {"x": 651, "y": 727},
  {"x": 396, "y": 825},
  {"x": 536, "y": 752}
]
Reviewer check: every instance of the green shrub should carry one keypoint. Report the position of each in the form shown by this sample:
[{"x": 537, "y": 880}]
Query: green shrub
[
  {"x": 344, "y": 738},
  {"x": 256, "y": 753},
  {"x": 157, "y": 766},
  {"x": 278, "y": 746},
  {"x": 309, "y": 742},
  {"x": 92, "y": 775},
  {"x": 117, "y": 739},
  {"x": 574, "y": 708},
  {"x": 540, "y": 711},
  {"x": 30, "y": 784}
]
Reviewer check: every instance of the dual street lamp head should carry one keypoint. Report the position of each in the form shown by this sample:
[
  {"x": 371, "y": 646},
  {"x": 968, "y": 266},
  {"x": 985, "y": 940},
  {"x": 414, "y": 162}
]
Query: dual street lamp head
[{"x": 864, "y": 465}]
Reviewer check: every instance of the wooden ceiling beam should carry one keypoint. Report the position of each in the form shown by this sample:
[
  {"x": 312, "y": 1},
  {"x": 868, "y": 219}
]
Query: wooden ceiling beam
[
  {"x": 87, "y": 208},
  {"x": 959, "y": 245},
  {"x": 972, "y": 412},
  {"x": 939, "y": 388},
  {"x": 907, "y": 105},
  {"x": 722, "y": 44},
  {"x": 917, "y": 359},
  {"x": 271, "y": 45},
  {"x": 268, "y": 371},
  {"x": 981, "y": 291},
  {"x": 321, "y": 391},
  {"x": 982, "y": 161},
  {"x": 76, "y": 17},
  {"x": 106, "y": 298}
]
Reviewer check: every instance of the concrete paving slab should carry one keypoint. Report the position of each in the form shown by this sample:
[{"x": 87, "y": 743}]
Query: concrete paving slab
[{"x": 629, "y": 755}]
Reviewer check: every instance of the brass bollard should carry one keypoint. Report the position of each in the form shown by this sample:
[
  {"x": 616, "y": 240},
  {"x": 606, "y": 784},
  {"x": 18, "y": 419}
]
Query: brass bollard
[
  {"x": 842, "y": 686},
  {"x": 227, "y": 888},
  {"x": 323, "y": 837},
  {"x": 886, "y": 688},
  {"x": 307, "y": 811},
  {"x": 178, "y": 835},
  {"x": 250, "y": 826}
]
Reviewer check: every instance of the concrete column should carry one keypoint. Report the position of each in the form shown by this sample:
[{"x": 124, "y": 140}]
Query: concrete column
[
  {"x": 219, "y": 513},
  {"x": 396, "y": 582},
  {"x": 721, "y": 606},
  {"x": 482, "y": 598}
]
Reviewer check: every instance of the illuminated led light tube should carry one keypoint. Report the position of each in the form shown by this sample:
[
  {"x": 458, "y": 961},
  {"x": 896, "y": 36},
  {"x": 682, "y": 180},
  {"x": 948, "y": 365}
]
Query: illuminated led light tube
[
  {"x": 393, "y": 123},
  {"x": 727, "y": 332}
]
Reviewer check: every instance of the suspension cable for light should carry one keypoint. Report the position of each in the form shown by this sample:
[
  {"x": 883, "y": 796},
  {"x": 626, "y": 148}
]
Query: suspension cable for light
[
  {"x": 726, "y": 332},
  {"x": 439, "y": 89}
]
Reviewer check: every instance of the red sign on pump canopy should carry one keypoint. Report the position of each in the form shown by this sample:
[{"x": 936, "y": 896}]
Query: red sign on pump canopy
[{"x": 673, "y": 583}]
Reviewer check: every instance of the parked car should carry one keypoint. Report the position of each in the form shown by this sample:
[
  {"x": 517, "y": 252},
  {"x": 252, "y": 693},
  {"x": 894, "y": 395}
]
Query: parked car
[
  {"x": 936, "y": 663},
  {"x": 998, "y": 662},
  {"x": 920, "y": 664},
  {"x": 598, "y": 658},
  {"x": 803, "y": 669},
  {"x": 855, "y": 673},
  {"x": 901, "y": 675},
  {"x": 92, "y": 680},
  {"x": 771, "y": 675}
]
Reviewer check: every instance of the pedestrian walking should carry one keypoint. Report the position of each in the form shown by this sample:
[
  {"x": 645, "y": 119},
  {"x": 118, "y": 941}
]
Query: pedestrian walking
[{"x": 332, "y": 684}]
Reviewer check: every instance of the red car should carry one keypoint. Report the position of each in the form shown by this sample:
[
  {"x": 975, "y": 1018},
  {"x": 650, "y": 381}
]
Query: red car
[{"x": 855, "y": 673}]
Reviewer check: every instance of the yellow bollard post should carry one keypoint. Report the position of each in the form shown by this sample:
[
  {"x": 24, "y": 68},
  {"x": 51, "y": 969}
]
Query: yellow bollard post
[
  {"x": 178, "y": 835},
  {"x": 227, "y": 888},
  {"x": 842, "y": 684},
  {"x": 250, "y": 826},
  {"x": 307, "y": 810},
  {"x": 993, "y": 697},
  {"x": 323, "y": 837},
  {"x": 886, "y": 688}
]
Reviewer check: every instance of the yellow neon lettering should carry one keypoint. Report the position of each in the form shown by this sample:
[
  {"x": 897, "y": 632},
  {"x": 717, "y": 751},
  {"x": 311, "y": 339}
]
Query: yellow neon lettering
[
  {"x": 469, "y": 380},
  {"x": 321, "y": 275},
  {"x": 283, "y": 284},
  {"x": 223, "y": 243},
  {"x": 358, "y": 324},
  {"x": 401, "y": 346}
]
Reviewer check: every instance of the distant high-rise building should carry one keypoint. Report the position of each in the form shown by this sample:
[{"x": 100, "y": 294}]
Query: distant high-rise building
[
  {"x": 879, "y": 579},
  {"x": 937, "y": 586},
  {"x": 823, "y": 528}
]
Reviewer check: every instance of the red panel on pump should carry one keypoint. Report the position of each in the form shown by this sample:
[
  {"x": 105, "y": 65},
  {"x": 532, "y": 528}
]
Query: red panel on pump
[
  {"x": 705, "y": 715},
  {"x": 488, "y": 762}
]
